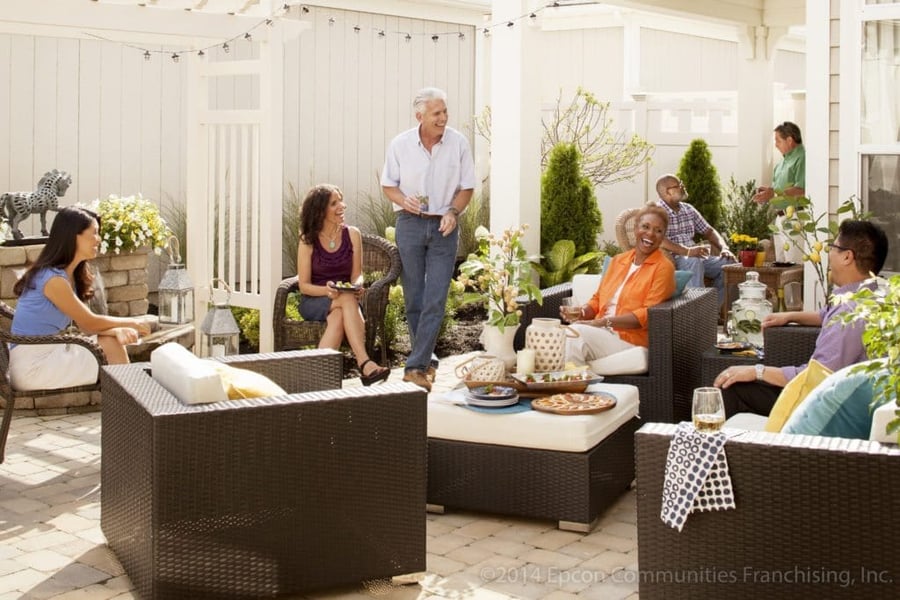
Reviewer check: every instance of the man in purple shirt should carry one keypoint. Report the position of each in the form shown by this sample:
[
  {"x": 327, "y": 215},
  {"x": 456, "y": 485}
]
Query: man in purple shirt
[{"x": 860, "y": 249}]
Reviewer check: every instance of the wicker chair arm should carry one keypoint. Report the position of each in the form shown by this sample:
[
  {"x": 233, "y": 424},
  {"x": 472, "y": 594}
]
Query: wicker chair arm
[
  {"x": 62, "y": 338},
  {"x": 296, "y": 370},
  {"x": 789, "y": 345}
]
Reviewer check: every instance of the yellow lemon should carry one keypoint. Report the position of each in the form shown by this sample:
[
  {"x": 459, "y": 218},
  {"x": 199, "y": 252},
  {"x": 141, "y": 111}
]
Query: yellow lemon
[
  {"x": 787, "y": 246},
  {"x": 814, "y": 256},
  {"x": 817, "y": 246},
  {"x": 789, "y": 212},
  {"x": 798, "y": 227}
]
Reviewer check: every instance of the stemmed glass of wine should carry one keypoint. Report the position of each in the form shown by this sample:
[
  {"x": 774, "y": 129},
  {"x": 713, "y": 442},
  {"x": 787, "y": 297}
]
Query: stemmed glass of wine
[{"x": 708, "y": 410}]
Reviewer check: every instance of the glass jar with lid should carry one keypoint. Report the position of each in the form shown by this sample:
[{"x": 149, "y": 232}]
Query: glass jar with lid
[{"x": 750, "y": 309}]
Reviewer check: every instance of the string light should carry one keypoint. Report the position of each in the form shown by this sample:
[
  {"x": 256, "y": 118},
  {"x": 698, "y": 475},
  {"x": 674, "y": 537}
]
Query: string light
[
  {"x": 381, "y": 33},
  {"x": 175, "y": 57},
  {"x": 356, "y": 29},
  {"x": 462, "y": 36},
  {"x": 146, "y": 55},
  {"x": 304, "y": 9},
  {"x": 248, "y": 37},
  {"x": 201, "y": 53},
  {"x": 331, "y": 20},
  {"x": 226, "y": 48},
  {"x": 435, "y": 38},
  {"x": 408, "y": 38}
]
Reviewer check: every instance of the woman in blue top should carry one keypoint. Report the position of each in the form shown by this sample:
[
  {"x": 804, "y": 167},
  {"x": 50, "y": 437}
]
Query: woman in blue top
[
  {"x": 52, "y": 295},
  {"x": 330, "y": 252}
]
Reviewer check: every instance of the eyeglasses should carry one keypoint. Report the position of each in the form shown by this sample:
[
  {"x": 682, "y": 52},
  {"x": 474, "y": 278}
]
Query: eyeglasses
[
  {"x": 840, "y": 248},
  {"x": 675, "y": 187}
]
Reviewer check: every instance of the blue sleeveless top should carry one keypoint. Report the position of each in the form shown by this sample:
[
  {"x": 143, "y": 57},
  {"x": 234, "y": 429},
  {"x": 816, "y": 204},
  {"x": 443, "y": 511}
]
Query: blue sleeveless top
[
  {"x": 334, "y": 265},
  {"x": 35, "y": 314}
]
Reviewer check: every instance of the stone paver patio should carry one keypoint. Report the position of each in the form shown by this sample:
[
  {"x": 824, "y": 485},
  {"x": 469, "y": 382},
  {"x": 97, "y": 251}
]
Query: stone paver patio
[{"x": 52, "y": 545}]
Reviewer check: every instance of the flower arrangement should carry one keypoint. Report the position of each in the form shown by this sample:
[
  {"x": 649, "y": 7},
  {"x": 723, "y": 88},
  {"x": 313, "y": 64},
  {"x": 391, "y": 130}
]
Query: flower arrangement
[
  {"x": 740, "y": 241},
  {"x": 129, "y": 223},
  {"x": 500, "y": 270}
]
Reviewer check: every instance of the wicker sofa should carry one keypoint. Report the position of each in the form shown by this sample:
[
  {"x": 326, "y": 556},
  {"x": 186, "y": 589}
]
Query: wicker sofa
[
  {"x": 263, "y": 497},
  {"x": 680, "y": 330},
  {"x": 814, "y": 515}
]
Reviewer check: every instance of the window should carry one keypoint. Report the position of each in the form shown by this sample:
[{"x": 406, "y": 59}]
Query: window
[{"x": 881, "y": 196}]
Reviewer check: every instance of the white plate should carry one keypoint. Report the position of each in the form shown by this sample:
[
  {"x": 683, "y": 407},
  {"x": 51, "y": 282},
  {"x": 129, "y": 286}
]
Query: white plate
[{"x": 498, "y": 403}]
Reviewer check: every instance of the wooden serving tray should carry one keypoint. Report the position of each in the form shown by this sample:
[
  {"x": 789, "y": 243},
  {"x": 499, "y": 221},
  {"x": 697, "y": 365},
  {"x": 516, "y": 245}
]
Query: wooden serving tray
[{"x": 575, "y": 404}]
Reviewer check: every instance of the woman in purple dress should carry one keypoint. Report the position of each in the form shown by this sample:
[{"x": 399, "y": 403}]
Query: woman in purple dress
[{"x": 330, "y": 253}]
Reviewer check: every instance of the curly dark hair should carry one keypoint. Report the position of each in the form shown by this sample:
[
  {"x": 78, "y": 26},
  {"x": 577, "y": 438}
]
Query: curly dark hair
[
  {"x": 59, "y": 251},
  {"x": 312, "y": 212}
]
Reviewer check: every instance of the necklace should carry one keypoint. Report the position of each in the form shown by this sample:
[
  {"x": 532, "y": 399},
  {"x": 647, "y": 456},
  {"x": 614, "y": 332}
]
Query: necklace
[{"x": 331, "y": 240}]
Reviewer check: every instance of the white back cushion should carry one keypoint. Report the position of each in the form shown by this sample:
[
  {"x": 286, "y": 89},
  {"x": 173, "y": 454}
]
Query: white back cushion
[
  {"x": 188, "y": 378},
  {"x": 584, "y": 286}
]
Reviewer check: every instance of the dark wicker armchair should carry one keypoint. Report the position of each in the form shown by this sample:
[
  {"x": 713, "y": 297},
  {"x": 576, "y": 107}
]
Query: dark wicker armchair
[
  {"x": 6, "y": 390},
  {"x": 379, "y": 255},
  {"x": 680, "y": 330}
]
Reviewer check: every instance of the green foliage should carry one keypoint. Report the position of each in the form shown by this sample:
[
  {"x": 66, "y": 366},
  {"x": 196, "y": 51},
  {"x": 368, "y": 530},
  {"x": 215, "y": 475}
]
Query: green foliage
[
  {"x": 290, "y": 231},
  {"x": 610, "y": 248},
  {"x": 560, "y": 264},
  {"x": 811, "y": 234},
  {"x": 395, "y": 313},
  {"x": 175, "y": 215},
  {"x": 248, "y": 322},
  {"x": 500, "y": 271},
  {"x": 568, "y": 205},
  {"x": 376, "y": 213},
  {"x": 741, "y": 214},
  {"x": 879, "y": 310},
  {"x": 477, "y": 214},
  {"x": 699, "y": 176}
]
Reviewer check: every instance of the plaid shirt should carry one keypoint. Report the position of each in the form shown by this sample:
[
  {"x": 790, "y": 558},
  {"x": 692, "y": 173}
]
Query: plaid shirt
[{"x": 684, "y": 224}]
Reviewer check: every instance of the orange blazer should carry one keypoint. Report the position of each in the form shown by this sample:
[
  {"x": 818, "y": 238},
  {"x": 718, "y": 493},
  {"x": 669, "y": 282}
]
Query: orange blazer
[{"x": 653, "y": 283}]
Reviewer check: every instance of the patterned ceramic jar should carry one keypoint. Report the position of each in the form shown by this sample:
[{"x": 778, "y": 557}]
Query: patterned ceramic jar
[{"x": 547, "y": 337}]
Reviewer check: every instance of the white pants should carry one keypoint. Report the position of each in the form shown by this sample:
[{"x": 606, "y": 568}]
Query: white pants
[
  {"x": 792, "y": 255},
  {"x": 50, "y": 366},
  {"x": 593, "y": 343}
]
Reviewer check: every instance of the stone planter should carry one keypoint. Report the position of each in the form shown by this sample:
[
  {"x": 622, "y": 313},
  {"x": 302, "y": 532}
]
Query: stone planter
[{"x": 124, "y": 282}]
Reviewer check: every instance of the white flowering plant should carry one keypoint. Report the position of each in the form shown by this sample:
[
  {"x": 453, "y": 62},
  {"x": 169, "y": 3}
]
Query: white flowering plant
[
  {"x": 129, "y": 223},
  {"x": 500, "y": 270}
]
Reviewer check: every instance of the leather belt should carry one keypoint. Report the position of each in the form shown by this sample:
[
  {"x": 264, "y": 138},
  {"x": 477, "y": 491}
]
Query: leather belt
[{"x": 424, "y": 216}]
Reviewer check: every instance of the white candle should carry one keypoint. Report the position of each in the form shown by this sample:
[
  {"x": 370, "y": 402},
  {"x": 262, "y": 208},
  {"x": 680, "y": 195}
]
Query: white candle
[
  {"x": 218, "y": 350},
  {"x": 173, "y": 310},
  {"x": 525, "y": 361}
]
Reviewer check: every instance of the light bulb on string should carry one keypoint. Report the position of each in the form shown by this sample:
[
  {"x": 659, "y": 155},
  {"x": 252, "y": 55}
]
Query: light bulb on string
[
  {"x": 304, "y": 10},
  {"x": 146, "y": 55},
  {"x": 356, "y": 29},
  {"x": 331, "y": 20},
  {"x": 175, "y": 57},
  {"x": 462, "y": 36},
  {"x": 201, "y": 53},
  {"x": 381, "y": 33},
  {"x": 407, "y": 37},
  {"x": 435, "y": 38},
  {"x": 487, "y": 32},
  {"x": 510, "y": 24},
  {"x": 226, "y": 48},
  {"x": 269, "y": 22},
  {"x": 248, "y": 37}
]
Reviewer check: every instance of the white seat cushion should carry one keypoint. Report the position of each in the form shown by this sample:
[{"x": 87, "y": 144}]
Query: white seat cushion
[
  {"x": 748, "y": 421},
  {"x": 584, "y": 286},
  {"x": 531, "y": 429},
  {"x": 627, "y": 362},
  {"x": 190, "y": 379}
]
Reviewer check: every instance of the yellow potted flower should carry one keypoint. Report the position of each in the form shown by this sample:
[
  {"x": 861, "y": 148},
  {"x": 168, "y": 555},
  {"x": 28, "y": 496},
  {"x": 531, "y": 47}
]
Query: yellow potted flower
[{"x": 746, "y": 246}]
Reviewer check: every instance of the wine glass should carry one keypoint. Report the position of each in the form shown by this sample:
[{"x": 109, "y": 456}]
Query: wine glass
[
  {"x": 571, "y": 310},
  {"x": 708, "y": 410}
]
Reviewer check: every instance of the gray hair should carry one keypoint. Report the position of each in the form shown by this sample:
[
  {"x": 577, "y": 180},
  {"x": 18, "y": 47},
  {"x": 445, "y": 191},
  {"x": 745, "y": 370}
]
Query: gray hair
[{"x": 426, "y": 95}]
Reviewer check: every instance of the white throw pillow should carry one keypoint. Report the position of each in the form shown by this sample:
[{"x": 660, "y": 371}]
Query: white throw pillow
[
  {"x": 188, "y": 378},
  {"x": 627, "y": 362}
]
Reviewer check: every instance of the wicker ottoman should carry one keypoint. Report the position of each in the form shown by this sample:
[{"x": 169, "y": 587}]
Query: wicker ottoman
[
  {"x": 532, "y": 464},
  {"x": 264, "y": 497}
]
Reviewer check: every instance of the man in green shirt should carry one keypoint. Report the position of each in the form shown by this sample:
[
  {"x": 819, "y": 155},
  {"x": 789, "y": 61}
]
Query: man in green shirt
[{"x": 789, "y": 177}]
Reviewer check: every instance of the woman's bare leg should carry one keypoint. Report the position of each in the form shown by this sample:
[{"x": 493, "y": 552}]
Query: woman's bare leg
[{"x": 116, "y": 354}]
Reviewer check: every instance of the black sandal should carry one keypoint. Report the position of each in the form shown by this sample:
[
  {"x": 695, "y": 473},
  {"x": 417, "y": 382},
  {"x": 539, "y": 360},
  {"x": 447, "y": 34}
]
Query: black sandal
[{"x": 379, "y": 374}]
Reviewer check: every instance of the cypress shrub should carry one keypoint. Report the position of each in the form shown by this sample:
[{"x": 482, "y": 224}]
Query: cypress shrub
[
  {"x": 568, "y": 205},
  {"x": 699, "y": 176}
]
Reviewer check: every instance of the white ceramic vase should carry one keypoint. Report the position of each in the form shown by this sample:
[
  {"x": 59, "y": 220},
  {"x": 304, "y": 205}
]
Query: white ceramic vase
[{"x": 500, "y": 343}]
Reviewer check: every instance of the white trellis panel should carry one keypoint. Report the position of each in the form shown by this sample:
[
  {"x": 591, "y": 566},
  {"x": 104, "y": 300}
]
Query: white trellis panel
[{"x": 234, "y": 183}]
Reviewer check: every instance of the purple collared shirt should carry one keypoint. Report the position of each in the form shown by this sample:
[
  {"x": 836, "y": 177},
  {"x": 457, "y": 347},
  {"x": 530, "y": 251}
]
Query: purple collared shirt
[
  {"x": 684, "y": 223},
  {"x": 838, "y": 345}
]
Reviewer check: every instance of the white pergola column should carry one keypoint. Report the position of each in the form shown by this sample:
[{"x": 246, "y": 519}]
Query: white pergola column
[
  {"x": 755, "y": 105},
  {"x": 516, "y": 122}
]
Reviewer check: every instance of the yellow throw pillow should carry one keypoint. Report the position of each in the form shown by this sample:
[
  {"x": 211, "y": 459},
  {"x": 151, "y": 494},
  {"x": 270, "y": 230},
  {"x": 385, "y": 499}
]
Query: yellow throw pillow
[
  {"x": 241, "y": 383},
  {"x": 794, "y": 392}
]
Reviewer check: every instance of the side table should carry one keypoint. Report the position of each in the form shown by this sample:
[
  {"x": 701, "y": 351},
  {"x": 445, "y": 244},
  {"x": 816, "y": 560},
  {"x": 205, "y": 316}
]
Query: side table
[
  {"x": 774, "y": 277},
  {"x": 714, "y": 362}
]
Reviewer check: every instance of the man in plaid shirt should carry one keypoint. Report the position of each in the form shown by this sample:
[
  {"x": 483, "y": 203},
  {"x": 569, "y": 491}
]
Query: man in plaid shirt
[{"x": 684, "y": 223}]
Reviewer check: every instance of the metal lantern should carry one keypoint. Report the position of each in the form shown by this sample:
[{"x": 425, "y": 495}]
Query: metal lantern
[
  {"x": 176, "y": 291},
  {"x": 219, "y": 332}
]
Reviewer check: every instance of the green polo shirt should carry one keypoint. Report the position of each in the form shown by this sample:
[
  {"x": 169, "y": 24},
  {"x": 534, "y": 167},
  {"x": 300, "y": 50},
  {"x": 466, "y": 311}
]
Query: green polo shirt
[{"x": 791, "y": 171}]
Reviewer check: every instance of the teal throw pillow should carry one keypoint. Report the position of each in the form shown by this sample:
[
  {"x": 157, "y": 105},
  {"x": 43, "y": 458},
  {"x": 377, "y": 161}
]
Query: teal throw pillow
[
  {"x": 681, "y": 280},
  {"x": 605, "y": 264},
  {"x": 837, "y": 407}
]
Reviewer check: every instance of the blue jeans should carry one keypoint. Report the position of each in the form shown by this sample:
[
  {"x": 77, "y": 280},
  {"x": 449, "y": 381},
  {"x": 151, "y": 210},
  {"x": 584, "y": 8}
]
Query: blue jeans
[
  {"x": 704, "y": 267},
  {"x": 428, "y": 260}
]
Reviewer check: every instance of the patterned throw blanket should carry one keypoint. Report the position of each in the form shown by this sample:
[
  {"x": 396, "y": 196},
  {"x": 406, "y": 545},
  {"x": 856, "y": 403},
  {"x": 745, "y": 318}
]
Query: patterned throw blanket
[{"x": 696, "y": 476}]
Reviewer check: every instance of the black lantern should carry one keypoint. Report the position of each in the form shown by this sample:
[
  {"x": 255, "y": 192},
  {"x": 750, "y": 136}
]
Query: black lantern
[
  {"x": 219, "y": 332},
  {"x": 176, "y": 292}
]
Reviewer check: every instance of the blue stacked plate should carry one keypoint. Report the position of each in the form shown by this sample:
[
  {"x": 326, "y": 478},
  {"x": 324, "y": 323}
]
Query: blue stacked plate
[{"x": 492, "y": 396}]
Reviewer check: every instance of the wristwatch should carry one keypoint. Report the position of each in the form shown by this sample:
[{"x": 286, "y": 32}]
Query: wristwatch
[{"x": 760, "y": 371}]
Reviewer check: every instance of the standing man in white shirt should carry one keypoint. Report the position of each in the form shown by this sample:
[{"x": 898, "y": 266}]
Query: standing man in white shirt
[{"x": 429, "y": 175}]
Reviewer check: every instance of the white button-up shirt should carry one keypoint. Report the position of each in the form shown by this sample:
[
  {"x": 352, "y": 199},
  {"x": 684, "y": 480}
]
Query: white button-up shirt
[{"x": 439, "y": 174}]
